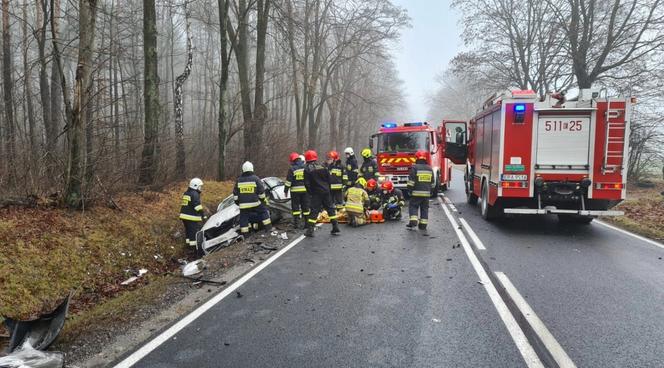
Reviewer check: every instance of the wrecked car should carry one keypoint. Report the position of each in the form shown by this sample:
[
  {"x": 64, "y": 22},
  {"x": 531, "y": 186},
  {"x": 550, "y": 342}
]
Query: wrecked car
[{"x": 223, "y": 228}]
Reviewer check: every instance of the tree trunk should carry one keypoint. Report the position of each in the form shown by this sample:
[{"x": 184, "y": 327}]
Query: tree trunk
[
  {"x": 8, "y": 86},
  {"x": 180, "y": 168},
  {"x": 260, "y": 109},
  {"x": 225, "y": 64},
  {"x": 87, "y": 20},
  {"x": 44, "y": 87},
  {"x": 32, "y": 129},
  {"x": 56, "y": 82},
  {"x": 151, "y": 94}
]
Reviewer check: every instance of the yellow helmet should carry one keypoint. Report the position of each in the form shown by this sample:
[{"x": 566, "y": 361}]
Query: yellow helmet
[
  {"x": 362, "y": 182},
  {"x": 366, "y": 153}
]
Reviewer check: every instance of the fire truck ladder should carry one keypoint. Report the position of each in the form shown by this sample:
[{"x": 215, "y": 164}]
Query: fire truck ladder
[{"x": 614, "y": 142}]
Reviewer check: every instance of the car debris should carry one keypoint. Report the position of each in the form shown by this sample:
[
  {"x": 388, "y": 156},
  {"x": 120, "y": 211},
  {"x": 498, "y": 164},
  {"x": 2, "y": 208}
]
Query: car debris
[
  {"x": 223, "y": 228},
  {"x": 194, "y": 267},
  {"x": 138, "y": 274},
  {"x": 38, "y": 333},
  {"x": 28, "y": 357}
]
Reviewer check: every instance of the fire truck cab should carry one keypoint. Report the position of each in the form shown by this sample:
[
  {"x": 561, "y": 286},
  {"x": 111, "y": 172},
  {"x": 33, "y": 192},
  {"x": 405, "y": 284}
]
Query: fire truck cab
[
  {"x": 524, "y": 155},
  {"x": 395, "y": 146}
]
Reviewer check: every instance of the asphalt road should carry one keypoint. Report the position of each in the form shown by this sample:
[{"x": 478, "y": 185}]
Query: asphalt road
[{"x": 383, "y": 296}]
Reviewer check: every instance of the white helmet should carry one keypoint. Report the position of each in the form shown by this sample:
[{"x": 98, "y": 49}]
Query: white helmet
[
  {"x": 302, "y": 158},
  {"x": 196, "y": 184},
  {"x": 349, "y": 151},
  {"x": 247, "y": 166}
]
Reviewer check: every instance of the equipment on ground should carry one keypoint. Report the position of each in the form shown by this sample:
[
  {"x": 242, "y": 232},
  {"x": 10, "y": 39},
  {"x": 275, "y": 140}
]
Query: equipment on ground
[{"x": 524, "y": 155}]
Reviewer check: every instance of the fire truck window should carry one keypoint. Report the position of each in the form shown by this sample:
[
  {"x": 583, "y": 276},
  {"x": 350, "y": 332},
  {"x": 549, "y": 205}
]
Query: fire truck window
[
  {"x": 403, "y": 142},
  {"x": 455, "y": 133}
]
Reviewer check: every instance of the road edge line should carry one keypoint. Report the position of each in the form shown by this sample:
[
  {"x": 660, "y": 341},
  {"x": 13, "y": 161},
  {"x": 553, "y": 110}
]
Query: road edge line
[
  {"x": 629, "y": 233},
  {"x": 546, "y": 337},
  {"x": 518, "y": 336},
  {"x": 472, "y": 234},
  {"x": 156, "y": 341}
]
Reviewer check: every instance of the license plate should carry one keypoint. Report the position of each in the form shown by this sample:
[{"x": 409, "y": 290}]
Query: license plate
[
  {"x": 513, "y": 177},
  {"x": 403, "y": 168}
]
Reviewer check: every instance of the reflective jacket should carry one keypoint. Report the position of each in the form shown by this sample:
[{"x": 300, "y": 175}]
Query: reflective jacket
[
  {"x": 357, "y": 200},
  {"x": 295, "y": 178},
  {"x": 249, "y": 191},
  {"x": 393, "y": 197},
  {"x": 369, "y": 169},
  {"x": 421, "y": 179},
  {"x": 191, "y": 209},
  {"x": 351, "y": 171},
  {"x": 337, "y": 175},
  {"x": 316, "y": 178}
]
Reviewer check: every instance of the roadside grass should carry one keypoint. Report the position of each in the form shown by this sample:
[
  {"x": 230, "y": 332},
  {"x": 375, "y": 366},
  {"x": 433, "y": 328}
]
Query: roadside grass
[
  {"x": 644, "y": 211},
  {"x": 47, "y": 252}
]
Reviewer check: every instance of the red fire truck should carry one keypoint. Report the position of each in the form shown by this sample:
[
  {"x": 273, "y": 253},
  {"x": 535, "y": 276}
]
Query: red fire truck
[
  {"x": 524, "y": 155},
  {"x": 396, "y": 147}
]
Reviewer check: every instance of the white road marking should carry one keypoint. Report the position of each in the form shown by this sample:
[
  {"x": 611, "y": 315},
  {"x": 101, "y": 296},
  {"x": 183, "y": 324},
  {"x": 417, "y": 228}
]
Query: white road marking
[
  {"x": 449, "y": 203},
  {"x": 184, "y": 322},
  {"x": 520, "y": 339},
  {"x": 649, "y": 241},
  {"x": 550, "y": 342},
  {"x": 473, "y": 236}
]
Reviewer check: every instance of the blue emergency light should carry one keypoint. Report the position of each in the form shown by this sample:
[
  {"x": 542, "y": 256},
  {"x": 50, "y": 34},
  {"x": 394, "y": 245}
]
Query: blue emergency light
[
  {"x": 389, "y": 125},
  {"x": 520, "y": 107}
]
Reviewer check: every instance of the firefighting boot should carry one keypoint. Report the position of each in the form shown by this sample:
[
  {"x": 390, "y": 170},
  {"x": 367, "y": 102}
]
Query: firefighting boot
[
  {"x": 335, "y": 227},
  {"x": 309, "y": 232},
  {"x": 296, "y": 222},
  {"x": 412, "y": 223},
  {"x": 423, "y": 228}
]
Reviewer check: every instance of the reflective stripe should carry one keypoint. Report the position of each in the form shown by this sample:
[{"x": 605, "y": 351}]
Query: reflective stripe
[
  {"x": 267, "y": 222},
  {"x": 244, "y": 229},
  {"x": 261, "y": 196},
  {"x": 410, "y": 183},
  {"x": 287, "y": 183},
  {"x": 191, "y": 243},
  {"x": 337, "y": 186},
  {"x": 355, "y": 207},
  {"x": 336, "y": 172},
  {"x": 188, "y": 198},
  {"x": 235, "y": 198},
  {"x": 414, "y": 218},
  {"x": 345, "y": 177},
  {"x": 421, "y": 193},
  {"x": 297, "y": 213},
  {"x": 249, "y": 205},
  {"x": 424, "y": 221},
  {"x": 246, "y": 184},
  {"x": 184, "y": 216},
  {"x": 333, "y": 217},
  {"x": 199, "y": 207},
  {"x": 298, "y": 189},
  {"x": 307, "y": 213},
  {"x": 312, "y": 221}
]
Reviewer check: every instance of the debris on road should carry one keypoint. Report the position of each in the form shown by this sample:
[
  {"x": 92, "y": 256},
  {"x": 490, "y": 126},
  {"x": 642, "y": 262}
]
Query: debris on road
[
  {"x": 238, "y": 294},
  {"x": 41, "y": 332},
  {"x": 137, "y": 275},
  {"x": 193, "y": 268},
  {"x": 436, "y": 320},
  {"x": 28, "y": 357}
]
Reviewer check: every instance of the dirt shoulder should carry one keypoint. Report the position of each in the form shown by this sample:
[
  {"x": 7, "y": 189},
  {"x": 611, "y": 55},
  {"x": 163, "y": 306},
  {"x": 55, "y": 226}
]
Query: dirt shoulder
[{"x": 644, "y": 211}]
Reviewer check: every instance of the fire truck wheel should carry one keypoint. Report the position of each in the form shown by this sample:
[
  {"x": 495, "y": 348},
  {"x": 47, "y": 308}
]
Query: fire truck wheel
[
  {"x": 488, "y": 211},
  {"x": 576, "y": 219},
  {"x": 471, "y": 198}
]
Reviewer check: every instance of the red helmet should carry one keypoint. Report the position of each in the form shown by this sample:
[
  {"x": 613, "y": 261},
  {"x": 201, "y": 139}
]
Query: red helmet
[
  {"x": 387, "y": 186},
  {"x": 293, "y": 156},
  {"x": 421, "y": 155},
  {"x": 333, "y": 155},
  {"x": 310, "y": 155},
  {"x": 371, "y": 184}
]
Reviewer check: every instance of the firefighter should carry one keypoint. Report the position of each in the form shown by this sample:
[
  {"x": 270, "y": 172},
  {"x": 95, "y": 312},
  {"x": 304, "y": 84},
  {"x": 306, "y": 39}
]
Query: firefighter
[
  {"x": 191, "y": 211},
  {"x": 391, "y": 201},
  {"x": 357, "y": 203},
  {"x": 351, "y": 167},
  {"x": 369, "y": 168},
  {"x": 374, "y": 194},
  {"x": 249, "y": 195},
  {"x": 420, "y": 184},
  {"x": 298, "y": 193},
  {"x": 317, "y": 182},
  {"x": 337, "y": 175}
]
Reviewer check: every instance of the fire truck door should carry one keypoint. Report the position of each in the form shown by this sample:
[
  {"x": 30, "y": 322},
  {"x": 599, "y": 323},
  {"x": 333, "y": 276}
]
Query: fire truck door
[{"x": 455, "y": 142}]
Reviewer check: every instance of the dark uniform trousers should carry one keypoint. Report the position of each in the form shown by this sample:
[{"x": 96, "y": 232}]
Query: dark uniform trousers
[
  {"x": 337, "y": 198},
  {"x": 421, "y": 205},
  {"x": 300, "y": 204},
  {"x": 320, "y": 201},
  {"x": 257, "y": 215}
]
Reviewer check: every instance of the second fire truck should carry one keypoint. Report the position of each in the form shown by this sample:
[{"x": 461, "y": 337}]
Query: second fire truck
[{"x": 524, "y": 155}]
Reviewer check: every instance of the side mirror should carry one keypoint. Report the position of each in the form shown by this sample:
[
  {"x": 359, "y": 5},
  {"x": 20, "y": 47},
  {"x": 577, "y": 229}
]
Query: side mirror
[{"x": 371, "y": 143}]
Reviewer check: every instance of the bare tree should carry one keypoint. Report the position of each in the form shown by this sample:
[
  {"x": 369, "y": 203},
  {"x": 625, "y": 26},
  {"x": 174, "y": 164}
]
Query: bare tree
[
  {"x": 180, "y": 167},
  {"x": 8, "y": 86}
]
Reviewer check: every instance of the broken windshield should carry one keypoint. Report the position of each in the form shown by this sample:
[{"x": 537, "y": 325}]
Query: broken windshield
[{"x": 402, "y": 142}]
